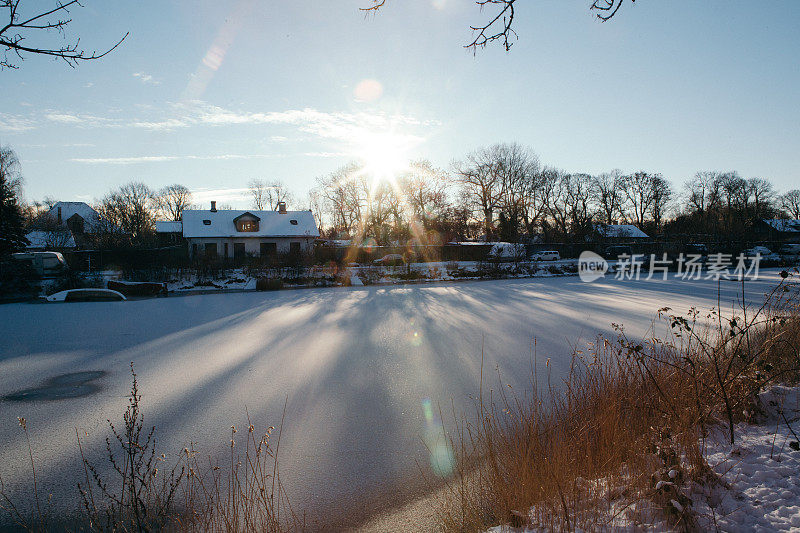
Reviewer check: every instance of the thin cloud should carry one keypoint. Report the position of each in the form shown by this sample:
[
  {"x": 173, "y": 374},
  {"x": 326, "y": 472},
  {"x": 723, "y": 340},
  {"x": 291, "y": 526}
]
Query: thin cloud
[
  {"x": 146, "y": 78},
  {"x": 82, "y": 120},
  {"x": 15, "y": 123},
  {"x": 166, "y": 158},
  {"x": 347, "y": 128},
  {"x": 233, "y": 195}
]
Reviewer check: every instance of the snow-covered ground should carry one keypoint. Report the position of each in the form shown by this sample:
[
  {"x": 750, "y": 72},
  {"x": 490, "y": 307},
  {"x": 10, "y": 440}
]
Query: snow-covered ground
[
  {"x": 756, "y": 486},
  {"x": 762, "y": 471},
  {"x": 363, "y": 369}
]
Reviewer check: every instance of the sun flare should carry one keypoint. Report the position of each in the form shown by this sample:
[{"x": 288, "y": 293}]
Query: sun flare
[{"x": 385, "y": 156}]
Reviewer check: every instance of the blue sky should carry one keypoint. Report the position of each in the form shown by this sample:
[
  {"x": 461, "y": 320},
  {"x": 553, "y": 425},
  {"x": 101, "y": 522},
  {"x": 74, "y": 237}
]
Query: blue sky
[{"x": 213, "y": 94}]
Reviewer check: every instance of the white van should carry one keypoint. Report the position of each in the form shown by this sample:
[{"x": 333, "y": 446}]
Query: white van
[
  {"x": 44, "y": 263},
  {"x": 546, "y": 255}
]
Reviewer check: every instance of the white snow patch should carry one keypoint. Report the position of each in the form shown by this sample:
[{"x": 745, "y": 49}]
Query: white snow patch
[{"x": 761, "y": 470}]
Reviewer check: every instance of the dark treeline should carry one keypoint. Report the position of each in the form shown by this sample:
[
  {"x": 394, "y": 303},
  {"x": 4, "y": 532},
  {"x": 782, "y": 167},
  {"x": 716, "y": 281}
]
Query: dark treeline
[{"x": 501, "y": 192}]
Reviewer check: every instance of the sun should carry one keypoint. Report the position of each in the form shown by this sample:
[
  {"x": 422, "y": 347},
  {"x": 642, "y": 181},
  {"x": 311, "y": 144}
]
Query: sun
[{"x": 385, "y": 156}]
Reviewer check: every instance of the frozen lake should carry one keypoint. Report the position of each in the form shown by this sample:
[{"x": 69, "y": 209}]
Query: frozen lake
[{"x": 356, "y": 364}]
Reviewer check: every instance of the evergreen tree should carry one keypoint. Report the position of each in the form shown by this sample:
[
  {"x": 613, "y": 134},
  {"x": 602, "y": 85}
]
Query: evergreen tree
[{"x": 12, "y": 221}]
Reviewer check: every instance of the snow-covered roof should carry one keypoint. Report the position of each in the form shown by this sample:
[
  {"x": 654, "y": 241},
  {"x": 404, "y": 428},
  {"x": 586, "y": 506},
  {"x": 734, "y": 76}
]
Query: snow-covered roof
[
  {"x": 168, "y": 226},
  {"x": 507, "y": 249},
  {"x": 50, "y": 239},
  {"x": 618, "y": 231},
  {"x": 784, "y": 225},
  {"x": 271, "y": 224},
  {"x": 89, "y": 215}
]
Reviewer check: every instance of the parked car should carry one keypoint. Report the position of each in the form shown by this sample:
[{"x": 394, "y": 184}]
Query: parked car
[
  {"x": 545, "y": 255},
  {"x": 390, "y": 259},
  {"x": 133, "y": 288},
  {"x": 45, "y": 264},
  {"x": 613, "y": 252},
  {"x": 87, "y": 295}
]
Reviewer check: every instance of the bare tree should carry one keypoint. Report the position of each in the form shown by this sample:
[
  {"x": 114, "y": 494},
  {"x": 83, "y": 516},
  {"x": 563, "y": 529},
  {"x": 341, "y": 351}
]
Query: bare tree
[
  {"x": 579, "y": 200},
  {"x": 732, "y": 189},
  {"x": 314, "y": 202},
  {"x": 267, "y": 195},
  {"x": 639, "y": 191},
  {"x": 661, "y": 196},
  {"x": 24, "y": 25},
  {"x": 172, "y": 200},
  {"x": 608, "y": 194},
  {"x": 345, "y": 198},
  {"x": 790, "y": 202},
  {"x": 557, "y": 201},
  {"x": 702, "y": 191},
  {"x": 424, "y": 190},
  {"x": 277, "y": 192},
  {"x": 258, "y": 193},
  {"x": 763, "y": 194},
  {"x": 501, "y": 179},
  {"x": 478, "y": 175},
  {"x": 129, "y": 209}
]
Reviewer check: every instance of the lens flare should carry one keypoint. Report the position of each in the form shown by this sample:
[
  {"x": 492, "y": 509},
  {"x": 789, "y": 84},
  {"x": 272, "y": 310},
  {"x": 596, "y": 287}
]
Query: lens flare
[{"x": 441, "y": 456}]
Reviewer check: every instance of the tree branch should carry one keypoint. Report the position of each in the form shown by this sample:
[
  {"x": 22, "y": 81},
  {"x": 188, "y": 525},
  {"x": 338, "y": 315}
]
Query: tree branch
[
  {"x": 500, "y": 26},
  {"x": 35, "y": 24}
]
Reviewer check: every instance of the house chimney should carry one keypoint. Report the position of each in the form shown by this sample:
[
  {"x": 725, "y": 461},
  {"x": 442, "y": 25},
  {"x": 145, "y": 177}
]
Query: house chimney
[
  {"x": 59, "y": 214},
  {"x": 213, "y": 206},
  {"x": 282, "y": 208}
]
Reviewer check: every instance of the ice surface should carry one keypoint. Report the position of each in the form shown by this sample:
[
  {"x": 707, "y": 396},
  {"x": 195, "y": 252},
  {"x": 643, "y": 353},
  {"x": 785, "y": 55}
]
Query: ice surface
[{"x": 356, "y": 364}]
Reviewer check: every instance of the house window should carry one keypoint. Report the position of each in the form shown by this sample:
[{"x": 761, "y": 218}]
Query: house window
[
  {"x": 268, "y": 249},
  {"x": 238, "y": 250},
  {"x": 247, "y": 225},
  {"x": 211, "y": 249},
  {"x": 294, "y": 247},
  {"x": 225, "y": 247}
]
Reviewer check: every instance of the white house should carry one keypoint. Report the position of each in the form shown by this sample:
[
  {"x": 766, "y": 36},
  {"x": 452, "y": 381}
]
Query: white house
[
  {"x": 238, "y": 233},
  {"x": 79, "y": 217}
]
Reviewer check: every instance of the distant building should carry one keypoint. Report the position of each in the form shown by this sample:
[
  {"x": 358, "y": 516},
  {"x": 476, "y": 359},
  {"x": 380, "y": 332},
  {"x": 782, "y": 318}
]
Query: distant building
[
  {"x": 66, "y": 225},
  {"x": 778, "y": 229},
  {"x": 618, "y": 232},
  {"x": 78, "y": 217},
  {"x": 239, "y": 233}
]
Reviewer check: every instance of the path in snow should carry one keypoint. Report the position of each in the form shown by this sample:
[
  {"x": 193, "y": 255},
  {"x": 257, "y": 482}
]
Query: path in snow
[{"x": 356, "y": 364}]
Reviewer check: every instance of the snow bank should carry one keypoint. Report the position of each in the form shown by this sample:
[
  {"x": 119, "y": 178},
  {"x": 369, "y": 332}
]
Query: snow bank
[{"x": 760, "y": 470}]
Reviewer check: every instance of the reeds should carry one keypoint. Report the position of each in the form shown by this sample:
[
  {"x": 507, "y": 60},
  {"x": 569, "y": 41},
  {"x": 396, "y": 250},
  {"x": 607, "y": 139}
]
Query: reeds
[{"x": 616, "y": 442}]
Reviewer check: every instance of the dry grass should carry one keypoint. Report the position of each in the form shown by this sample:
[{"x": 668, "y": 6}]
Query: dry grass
[
  {"x": 614, "y": 441},
  {"x": 143, "y": 493}
]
